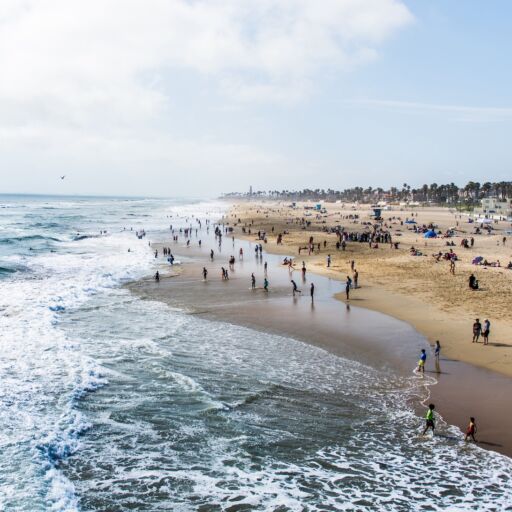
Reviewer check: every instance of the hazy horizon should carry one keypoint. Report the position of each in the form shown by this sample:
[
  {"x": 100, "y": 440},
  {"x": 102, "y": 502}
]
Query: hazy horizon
[{"x": 181, "y": 98}]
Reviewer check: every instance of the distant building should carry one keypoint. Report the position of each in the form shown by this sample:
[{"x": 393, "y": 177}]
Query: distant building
[
  {"x": 492, "y": 208},
  {"x": 250, "y": 190}
]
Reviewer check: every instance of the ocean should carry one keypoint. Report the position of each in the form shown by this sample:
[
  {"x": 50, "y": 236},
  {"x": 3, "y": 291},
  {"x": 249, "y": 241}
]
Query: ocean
[{"x": 110, "y": 403}]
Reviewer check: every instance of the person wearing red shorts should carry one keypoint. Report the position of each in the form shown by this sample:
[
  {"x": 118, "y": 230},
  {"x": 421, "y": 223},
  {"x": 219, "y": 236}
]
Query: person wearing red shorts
[{"x": 471, "y": 430}]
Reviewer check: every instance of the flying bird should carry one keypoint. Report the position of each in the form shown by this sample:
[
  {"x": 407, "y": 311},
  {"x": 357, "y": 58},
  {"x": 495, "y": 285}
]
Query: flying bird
[{"x": 62, "y": 177}]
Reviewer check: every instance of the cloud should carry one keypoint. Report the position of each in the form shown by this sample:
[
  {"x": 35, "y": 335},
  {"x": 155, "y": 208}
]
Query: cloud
[
  {"x": 110, "y": 68},
  {"x": 93, "y": 52},
  {"x": 458, "y": 112}
]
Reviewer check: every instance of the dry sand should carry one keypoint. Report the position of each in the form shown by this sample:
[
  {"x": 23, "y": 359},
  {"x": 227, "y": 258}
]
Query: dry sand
[{"x": 416, "y": 289}]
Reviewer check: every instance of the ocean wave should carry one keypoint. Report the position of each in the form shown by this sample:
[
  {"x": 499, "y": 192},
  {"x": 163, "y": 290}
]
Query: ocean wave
[
  {"x": 45, "y": 379},
  {"x": 64, "y": 440},
  {"x": 28, "y": 238},
  {"x": 76, "y": 238}
]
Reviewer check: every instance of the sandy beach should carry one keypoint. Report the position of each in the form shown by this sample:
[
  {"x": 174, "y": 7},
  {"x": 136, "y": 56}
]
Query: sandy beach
[
  {"x": 416, "y": 289},
  {"x": 362, "y": 330}
]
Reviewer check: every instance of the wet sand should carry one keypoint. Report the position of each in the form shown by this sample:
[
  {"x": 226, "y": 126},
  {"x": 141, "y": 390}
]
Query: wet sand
[{"x": 350, "y": 331}]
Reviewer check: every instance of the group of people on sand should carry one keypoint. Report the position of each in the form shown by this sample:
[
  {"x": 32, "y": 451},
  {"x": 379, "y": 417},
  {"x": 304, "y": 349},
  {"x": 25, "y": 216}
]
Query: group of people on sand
[{"x": 481, "y": 330}]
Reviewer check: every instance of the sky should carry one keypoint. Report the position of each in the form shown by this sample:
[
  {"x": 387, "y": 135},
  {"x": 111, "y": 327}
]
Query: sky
[{"x": 200, "y": 97}]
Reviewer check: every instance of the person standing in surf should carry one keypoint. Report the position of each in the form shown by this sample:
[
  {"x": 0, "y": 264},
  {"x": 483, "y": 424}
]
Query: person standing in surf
[
  {"x": 471, "y": 430},
  {"x": 430, "y": 419},
  {"x": 312, "y": 292},
  {"x": 437, "y": 351},
  {"x": 421, "y": 362},
  {"x": 347, "y": 287},
  {"x": 253, "y": 281}
]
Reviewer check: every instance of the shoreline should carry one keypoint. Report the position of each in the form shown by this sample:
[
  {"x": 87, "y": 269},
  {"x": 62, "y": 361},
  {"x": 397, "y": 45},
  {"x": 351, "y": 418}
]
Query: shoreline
[
  {"x": 277, "y": 313},
  {"x": 418, "y": 290}
]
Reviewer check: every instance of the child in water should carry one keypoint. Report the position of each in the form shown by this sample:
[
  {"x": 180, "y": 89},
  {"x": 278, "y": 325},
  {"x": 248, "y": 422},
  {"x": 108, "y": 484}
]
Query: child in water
[
  {"x": 471, "y": 431},
  {"x": 421, "y": 362},
  {"x": 430, "y": 420}
]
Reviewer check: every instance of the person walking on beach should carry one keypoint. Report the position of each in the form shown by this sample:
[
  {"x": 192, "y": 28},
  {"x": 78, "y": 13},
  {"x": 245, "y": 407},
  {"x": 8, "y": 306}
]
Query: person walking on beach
[
  {"x": 356, "y": 278},
  {"x": 471, "y": 430},
  {"x": 477, "y": 330},
  {"x": 265, "y": 268},
  {"x": 486, "y": 331},
  {"x": 253, "y": 281},
  {"x": 312, "y": 292},
  {"x": 294, "y": 287},
  {"x": 157, "y": 276},
  {"x": 303, "y": 270},
  {"x": 205, "y": 273},
  {"x": 265, "y": 284},
  {"x": 430, "y": 419},
  {"x": 452, "y": 265},
  {"x": 211, "y": 254},
  {"x": 328, "y": 260},
  {"x": 422, "y": 361},
  {"x": 347, "y": 288}
]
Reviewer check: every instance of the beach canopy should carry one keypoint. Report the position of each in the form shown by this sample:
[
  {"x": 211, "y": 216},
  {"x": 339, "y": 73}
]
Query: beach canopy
[
  {"x": 430, "y": 234},
  {"x": 410, "y": 221},
  {"x": 486, "y": 221}
]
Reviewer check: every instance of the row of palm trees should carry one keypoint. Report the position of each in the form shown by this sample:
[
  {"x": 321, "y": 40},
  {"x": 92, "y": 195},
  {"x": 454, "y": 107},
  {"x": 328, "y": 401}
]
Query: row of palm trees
[{"x": 449, "y": 194}]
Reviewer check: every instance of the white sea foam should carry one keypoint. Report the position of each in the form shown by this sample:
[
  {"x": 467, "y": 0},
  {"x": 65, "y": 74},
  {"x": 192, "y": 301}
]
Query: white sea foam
[
  {"x": 304, "y": 430},
  {"x": 44, "y": 371}
]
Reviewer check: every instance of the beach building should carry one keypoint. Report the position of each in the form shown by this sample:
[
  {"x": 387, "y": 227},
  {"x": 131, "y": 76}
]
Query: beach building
[{"x": 494, "y": 208}]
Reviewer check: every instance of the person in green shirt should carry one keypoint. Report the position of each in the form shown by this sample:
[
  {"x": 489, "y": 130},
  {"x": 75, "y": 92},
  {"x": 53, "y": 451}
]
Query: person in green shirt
[{"x": 429, "y": 417}]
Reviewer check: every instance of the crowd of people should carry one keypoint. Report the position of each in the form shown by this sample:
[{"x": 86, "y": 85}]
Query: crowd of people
[{"x": 373, "y": 235}]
